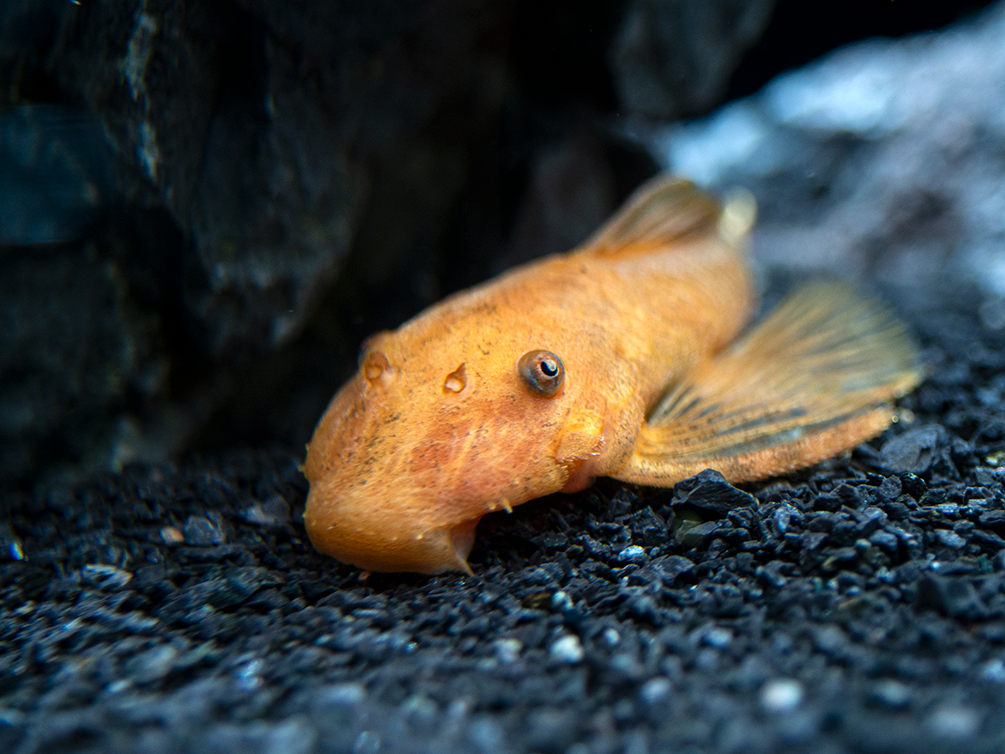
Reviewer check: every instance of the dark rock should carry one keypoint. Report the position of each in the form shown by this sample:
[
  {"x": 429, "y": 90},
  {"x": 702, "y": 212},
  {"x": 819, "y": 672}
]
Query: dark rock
[
  {"x": 949, "y": 539},
  {"x": 829, "y": 503},
  {"x": 53, "y": 174},
  {"x": 912, "y": 451},
  {"x": 105, "y": 576},
  {"x": 953, "y": 597},
  {"x": 707, "y": 41},
  {"x": 201, "y": 532},
  {"x": 993, "y": 519},
  {"x": 912, "y": 484},
  {"x": 648, "y": 528},
  {"x": 274, "y": 511},
  {"x": 710, "y": 492},
  {"x": 698, "y": 535},
  {"x": 669, "y": 569}
]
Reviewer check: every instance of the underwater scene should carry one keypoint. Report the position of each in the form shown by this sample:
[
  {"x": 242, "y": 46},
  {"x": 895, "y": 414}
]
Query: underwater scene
[{"x": 461, "y": 376}]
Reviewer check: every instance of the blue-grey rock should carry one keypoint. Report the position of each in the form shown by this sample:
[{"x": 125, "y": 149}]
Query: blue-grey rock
[
  {"x": 54, "y": 176},
  {"x": 884, "y": 159}
]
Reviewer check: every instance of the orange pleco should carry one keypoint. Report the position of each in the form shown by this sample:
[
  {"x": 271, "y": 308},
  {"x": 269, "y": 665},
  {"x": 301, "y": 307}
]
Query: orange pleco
[{"x": 622, "y": 358}]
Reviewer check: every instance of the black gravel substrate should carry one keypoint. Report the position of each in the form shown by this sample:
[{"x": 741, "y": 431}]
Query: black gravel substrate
[{"x": 855, "y": 607}]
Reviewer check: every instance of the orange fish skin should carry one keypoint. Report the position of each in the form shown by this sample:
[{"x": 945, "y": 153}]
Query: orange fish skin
[{"x": 438, "y": 428}]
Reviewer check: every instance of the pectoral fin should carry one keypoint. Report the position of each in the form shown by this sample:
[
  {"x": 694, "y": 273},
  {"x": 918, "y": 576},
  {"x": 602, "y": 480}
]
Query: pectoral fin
[
  {"x": 582, "y": 438},
  {"x": 813, "y": 379}
]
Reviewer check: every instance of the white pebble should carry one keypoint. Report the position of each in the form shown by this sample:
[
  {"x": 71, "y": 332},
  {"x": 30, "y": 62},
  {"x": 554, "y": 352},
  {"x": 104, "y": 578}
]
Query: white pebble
[
  {"x": 632, "y": 554},
  {"x": 781, "y": 695},
  {"x": 720, "y": 638},
  {"x": 655, "y": 689},
  {"x": 508, "y": 650},
  {"x": 567, "y": 649},
  {"x": 561, "y": 602}
]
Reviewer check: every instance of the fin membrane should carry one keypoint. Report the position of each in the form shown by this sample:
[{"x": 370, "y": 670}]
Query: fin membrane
[
  {"x": 813, "y": 379},
  {"x": 661, "y": 210}
]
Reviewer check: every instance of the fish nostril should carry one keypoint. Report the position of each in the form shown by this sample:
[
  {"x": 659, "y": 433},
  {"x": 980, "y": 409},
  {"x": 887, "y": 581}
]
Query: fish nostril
[
  {"x": 456, "y": 381},
  {"x": 374, "y": 365}
]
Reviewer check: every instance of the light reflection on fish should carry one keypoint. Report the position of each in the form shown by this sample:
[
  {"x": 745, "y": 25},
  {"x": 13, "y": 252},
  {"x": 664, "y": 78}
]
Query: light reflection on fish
[{"x": 618, "y": 359}]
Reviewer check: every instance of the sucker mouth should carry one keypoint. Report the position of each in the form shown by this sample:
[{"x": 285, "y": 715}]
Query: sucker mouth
[{"x": 373, "y": 539}]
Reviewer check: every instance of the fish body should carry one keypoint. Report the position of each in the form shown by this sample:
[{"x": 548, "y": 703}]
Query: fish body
[{"x": 579, "y": 365}]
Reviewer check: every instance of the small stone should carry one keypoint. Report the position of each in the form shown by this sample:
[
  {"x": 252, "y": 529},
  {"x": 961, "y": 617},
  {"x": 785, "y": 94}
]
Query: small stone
[
  {"x": 647, "y": 526},
  {"x": 105, "y": 577},
  {"x": 153, "y": 664},
  {"x": 486, "y": 734},
  {"x": 720, "y": 638},
  {"x": 632, "y": 554},
  {"x": 367, "y": 742},
  {"x": 950, "y": 539},
  {"x": 119, "y": 687},
  {"x": 172, "y": 535},
  {"x": 551, "y": 730},
  {"x": 993, "y": 519},
  {"x": 890, "y": 488},
  {"x": 913, "y": 451},
  {"x": 561, "y": 602},
  {"x": 611, "y": 637},
  {"x": 709, "y": 491},
  {"x": 781, "y": 695},
  {"x": 668, "y": 569},
  {"x": 201, "y": 532},
  {"x": 953, "y": 597},
  {"x": 274, "y": 511},
  {"x": 993, "y": 671},
  {"x": 655, "y": 690},
  {"x": 248, "y": 675},
  {"x": 884, "y": 539},
  {"x": 508, "y": 650},
  {"x": 954, "y": 722},
  {"x": 697, "y": 536},
  {"x": 419, "y": 708},
  {"x": 341, "y": 695},
  {"x": 891, "y": 694},
  {"x": 568, "y": 649}
]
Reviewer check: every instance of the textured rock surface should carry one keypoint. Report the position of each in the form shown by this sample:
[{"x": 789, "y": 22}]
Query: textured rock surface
[
  {"x": 230, "y": 159},
  {"x": 881, "y": 162},
  {"x": 675, "y": 58}
]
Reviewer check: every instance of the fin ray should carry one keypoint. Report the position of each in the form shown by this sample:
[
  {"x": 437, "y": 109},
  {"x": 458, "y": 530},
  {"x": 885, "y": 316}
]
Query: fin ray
[
  {"x": 814, "y": 378},
  {"x": 661, "y": 210}
]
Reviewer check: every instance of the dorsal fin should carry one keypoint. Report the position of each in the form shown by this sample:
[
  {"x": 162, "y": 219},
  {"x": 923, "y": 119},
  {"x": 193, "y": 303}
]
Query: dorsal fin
[{"x": 666, "y": 208}]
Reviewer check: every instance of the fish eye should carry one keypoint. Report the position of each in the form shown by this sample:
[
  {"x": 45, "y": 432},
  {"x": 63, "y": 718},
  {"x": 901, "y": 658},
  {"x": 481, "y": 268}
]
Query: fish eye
[{"x": 542, "y": 372}]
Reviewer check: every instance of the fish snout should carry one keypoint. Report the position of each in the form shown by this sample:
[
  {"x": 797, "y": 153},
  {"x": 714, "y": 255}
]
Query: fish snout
[{"x": 382, "y": 530}]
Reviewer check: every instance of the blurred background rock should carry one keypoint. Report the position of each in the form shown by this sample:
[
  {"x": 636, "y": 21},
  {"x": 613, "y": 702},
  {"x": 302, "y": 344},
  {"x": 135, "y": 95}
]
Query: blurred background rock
[{"x": 204, "y": 207}]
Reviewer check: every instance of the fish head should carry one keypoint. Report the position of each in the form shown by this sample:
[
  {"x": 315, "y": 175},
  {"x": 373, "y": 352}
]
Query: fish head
[{"x": 440, "y": 426}]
